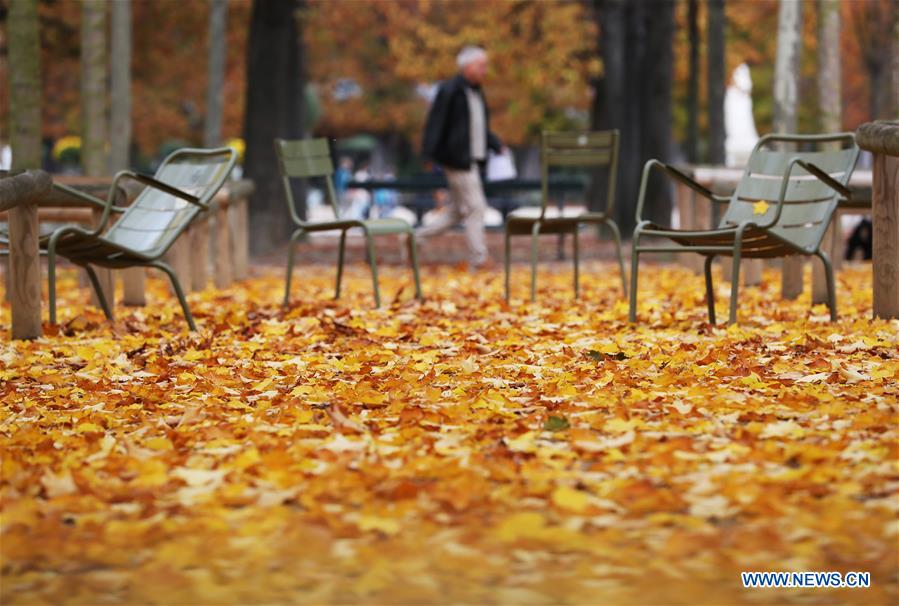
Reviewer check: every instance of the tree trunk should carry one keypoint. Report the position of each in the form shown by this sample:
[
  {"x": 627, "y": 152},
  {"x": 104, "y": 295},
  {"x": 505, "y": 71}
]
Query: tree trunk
[
  {"x": 717, "y": 80},
  {"x": 25, "y": 138},
  {"x": 218, "y": 16},
  {"x": 655, "y": 110},
  {"x": 831, "y": 112},
  {"x": 94, "y": 73},
  {"x": 133, "y": 279},
  {"x": 786, "y": 102},
  {"x": 634, "y": 96},
  {"x": 93, "y": 87},
  {"x": 895, "y": 99},
  {"x": 120, "y": 85},
  {"x": 693, "y": 82},
  {"x": 275, "y": 82}
]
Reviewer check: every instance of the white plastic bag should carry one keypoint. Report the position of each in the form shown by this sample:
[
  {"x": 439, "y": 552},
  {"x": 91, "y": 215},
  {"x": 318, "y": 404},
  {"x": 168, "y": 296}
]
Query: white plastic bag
[{"x": 501, "y": 167}]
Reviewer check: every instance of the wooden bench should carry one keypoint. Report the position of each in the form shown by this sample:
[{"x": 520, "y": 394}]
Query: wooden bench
[{"x": 882, "y": 139}]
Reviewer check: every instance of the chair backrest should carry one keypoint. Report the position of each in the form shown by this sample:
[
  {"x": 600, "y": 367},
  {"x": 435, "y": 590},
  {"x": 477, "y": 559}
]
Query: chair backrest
[
  {"x": 809, "y": 203},
  {"x": 596, "y": 149},
  {"x": 305, "y": 159},
  {"x": 155, "y": 219}
]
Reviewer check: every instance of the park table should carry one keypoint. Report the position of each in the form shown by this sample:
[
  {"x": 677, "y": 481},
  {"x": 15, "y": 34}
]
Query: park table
[{"x": 29, "y": 198}]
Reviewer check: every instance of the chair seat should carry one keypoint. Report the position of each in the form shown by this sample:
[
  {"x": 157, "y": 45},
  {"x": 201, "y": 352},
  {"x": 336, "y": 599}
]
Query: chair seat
[
  {"x": 532, "y": 213},
  {"x": 374, "y": 226},
  {"x": 567, "y": 221},
  {"x": 757, "y": 243}
]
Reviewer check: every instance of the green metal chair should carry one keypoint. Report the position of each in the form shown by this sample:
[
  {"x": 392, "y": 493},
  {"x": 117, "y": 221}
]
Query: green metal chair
[
  {"x": 589, "y": 149},
  {"x": 310, "y": 158},
  {"x": 782, "y": 206},
  {"x": 181, "y": 188}
]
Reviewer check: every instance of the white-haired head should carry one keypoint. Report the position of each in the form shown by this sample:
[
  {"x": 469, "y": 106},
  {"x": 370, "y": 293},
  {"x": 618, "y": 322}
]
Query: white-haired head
[{"x": 470, "y": 54}]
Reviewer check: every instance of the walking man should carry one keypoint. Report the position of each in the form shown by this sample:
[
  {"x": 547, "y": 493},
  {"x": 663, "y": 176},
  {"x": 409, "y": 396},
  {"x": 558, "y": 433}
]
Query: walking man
[{"x": 457, "y": 137}]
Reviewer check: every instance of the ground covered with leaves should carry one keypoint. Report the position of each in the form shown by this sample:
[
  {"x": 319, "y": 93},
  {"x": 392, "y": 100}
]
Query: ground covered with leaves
[{"x": 455, "y": 450}]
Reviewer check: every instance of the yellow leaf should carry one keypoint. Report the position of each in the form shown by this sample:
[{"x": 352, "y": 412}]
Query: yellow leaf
[
  {"x": 570, "y": 499},
  {"x": 760, "y": 207},
  {"x": 522, "y": 525},
  {"x": 159, "y": 443},
  {"x": 388, "y": 526}
]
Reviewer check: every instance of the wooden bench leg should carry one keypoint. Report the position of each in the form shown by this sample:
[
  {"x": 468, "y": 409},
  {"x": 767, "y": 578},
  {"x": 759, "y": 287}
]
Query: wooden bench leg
[
  {"x": 885, "y": 215},
  {"x": 686, "y": 209},
  {"x": 752, "y": 272},
  {"x": 791, "y": 277},
  {"x": 223, "y": 274},
  {"x": 7, "y": 281},
  {"x": 105, "y": 278},
  {"x": 134, "y": 286},
  {"x": 179, "y": 258},
  {"x": 241, "y": 239},
  {"x": 25, "y": 272},
  {"x": 199, "y": 270}
]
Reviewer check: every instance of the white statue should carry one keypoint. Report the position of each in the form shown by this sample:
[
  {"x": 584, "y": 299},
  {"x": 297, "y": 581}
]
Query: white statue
[{"x": 739, "y": 124}]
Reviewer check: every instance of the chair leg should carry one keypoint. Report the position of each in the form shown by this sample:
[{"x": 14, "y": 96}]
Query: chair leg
[
  {"x": 577, "y": 258},
  {"x": 176, "y": 286},
  {"x": 831, "y": 284},
  {"x": 616, "y": 234},
  {"x": 51, "y": 280},
  {"x": 340, "y": 256},
  {"x": 413, "y": 258},
  {"x": 535, "y": 234},
  {"x": 101, "y": 297},
  {"x": 291, "y": 250},
  {"x": 373, "y": 263},
  {"x": 508, "y": 260},
  {"x": 734, "y": 287},
  {"x": 709, "y": 288},
  {"x": 635, "y": 264}
]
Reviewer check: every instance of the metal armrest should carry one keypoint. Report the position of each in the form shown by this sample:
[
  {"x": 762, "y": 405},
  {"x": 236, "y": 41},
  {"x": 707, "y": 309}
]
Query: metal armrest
[
  {"x": 156, "y": 184},
  {"x": 826, "y": 179},
  {"x": 679, "y": 176}
]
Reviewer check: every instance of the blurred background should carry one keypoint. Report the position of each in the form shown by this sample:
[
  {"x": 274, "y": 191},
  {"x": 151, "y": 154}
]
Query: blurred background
[{"x": 363, "y": 73}]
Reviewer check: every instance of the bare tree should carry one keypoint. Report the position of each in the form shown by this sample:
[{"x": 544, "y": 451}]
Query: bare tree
[
  {"x": 786, "y": 102},
  {"x": 25, "y": 137},
  {"x": 218, "y": 15}
]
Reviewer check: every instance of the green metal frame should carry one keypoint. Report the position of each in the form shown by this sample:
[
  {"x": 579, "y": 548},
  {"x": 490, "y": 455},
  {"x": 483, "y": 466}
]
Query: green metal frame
[
  {"x": 805, "y": 203},
  {"x": 587, "y": 149},
  {"x": 203, "y": 171},
  {"x": 311, "y": 158}
]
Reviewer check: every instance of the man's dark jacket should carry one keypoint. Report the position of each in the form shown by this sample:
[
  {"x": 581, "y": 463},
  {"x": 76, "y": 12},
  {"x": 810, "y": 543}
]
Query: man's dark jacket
[{"x": 447, "y": 138}]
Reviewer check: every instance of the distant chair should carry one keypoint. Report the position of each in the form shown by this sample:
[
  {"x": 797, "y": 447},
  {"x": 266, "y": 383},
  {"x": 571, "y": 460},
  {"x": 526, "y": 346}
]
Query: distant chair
[
  {"x": 179, "y": 191},
  {"x": 308, "y": 158},
  {"x": 782, "y": 206},
  {"x": 583, "y": 149}
]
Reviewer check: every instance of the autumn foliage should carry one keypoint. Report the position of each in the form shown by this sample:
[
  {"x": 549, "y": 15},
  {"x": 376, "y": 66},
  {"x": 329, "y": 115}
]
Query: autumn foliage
[
  {"x": 544, "y": 55},
  {"x": 455, "y": 450}
]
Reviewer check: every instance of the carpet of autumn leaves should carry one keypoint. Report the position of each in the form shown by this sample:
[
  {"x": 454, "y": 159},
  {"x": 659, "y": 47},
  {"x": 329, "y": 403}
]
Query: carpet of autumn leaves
[{"x": 455, "y": 450}]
